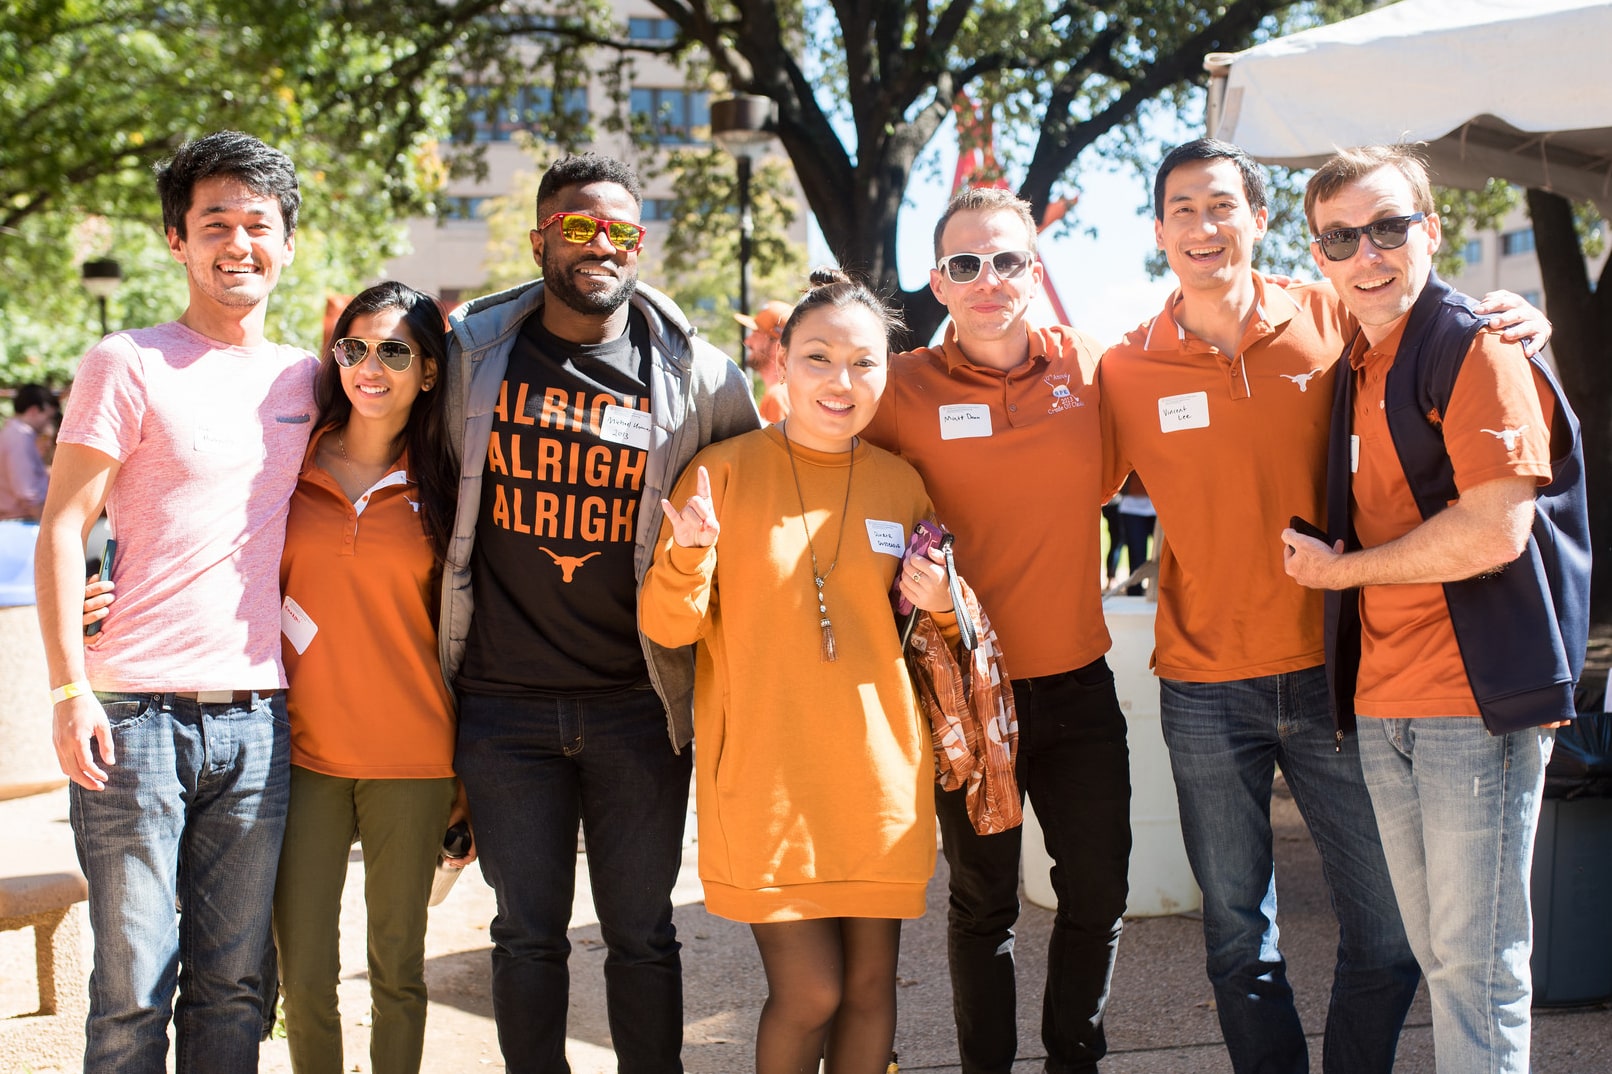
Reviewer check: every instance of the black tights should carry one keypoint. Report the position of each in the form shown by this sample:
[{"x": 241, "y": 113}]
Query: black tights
[{"x": 831, "y": 994}]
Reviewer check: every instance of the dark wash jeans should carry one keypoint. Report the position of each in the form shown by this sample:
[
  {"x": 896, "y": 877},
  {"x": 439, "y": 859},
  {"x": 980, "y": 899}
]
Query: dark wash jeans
[
  {"x": 1226, "y": 740},
  {"x": 1074, "y": 765},
  {"x": 533, "y": 767}
]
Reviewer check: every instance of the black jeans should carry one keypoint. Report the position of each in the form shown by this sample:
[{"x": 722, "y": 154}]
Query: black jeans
[
  {"x": 1074, "y": 765},
  {"x": 532, "y": 768}
]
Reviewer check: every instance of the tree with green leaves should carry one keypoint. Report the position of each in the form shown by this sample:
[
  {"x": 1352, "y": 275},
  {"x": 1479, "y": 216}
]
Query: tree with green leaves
[{"x": 92, "y": 94}]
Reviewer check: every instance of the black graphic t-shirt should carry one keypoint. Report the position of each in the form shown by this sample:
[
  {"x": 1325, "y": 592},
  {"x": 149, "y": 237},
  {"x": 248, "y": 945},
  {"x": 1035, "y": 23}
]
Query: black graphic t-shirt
[{"x": 556, "y": 600}]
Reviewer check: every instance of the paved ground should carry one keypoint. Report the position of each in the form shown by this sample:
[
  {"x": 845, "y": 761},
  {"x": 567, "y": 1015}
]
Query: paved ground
[{"x": 1161, "y": 1022}]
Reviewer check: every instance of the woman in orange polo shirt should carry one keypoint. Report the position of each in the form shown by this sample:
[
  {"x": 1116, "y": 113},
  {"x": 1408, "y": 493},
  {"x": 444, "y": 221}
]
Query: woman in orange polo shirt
[{"x": 372, "y": 724}]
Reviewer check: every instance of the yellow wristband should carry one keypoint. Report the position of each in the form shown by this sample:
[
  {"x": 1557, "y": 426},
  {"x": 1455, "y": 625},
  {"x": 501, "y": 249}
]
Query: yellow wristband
[{"x": 72, "y": 689}]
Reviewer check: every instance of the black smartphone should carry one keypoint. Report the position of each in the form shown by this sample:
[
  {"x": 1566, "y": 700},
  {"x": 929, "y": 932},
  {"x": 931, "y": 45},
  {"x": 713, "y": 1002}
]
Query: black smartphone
[
  {"x": 456, "y": 843},
  {"x": 106, "y": 573},
  {"x": 1309, "y": 529}
]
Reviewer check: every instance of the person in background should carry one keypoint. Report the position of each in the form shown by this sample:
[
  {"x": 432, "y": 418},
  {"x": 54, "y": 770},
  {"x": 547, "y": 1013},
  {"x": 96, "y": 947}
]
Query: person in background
[
  {"x": 764, "y": 356},
  {"x": 23, "y": 478},
  {"x": 1138, "y": 521},
  {"x": 815, "y": 770}
]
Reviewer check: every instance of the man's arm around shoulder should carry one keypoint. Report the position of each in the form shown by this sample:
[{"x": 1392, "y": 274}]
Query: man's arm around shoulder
[
  {"x": 1486, "y": 528},
  {"x": 80, "y": 481}
]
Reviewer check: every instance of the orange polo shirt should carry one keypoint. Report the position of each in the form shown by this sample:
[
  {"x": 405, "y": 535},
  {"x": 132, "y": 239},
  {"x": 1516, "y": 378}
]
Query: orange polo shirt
[
  {"x": 1497, "y": 426},
  {"x": 1013, "y": 462},
  {"x": 1231, "y": 446},
  {"x": 366, "y": 697}
]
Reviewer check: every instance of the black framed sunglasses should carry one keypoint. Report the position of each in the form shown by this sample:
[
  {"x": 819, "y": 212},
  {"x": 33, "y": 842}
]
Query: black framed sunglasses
[
  {"x": 966, "y": 268},
  {"x": 1340, "y": 244},
  {"x": 580, "y": 228},
  {"x": 393, "y": 353}
]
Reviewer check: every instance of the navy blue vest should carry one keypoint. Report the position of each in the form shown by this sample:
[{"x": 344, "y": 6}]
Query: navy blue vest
[{"x": 1521, "y": 629}]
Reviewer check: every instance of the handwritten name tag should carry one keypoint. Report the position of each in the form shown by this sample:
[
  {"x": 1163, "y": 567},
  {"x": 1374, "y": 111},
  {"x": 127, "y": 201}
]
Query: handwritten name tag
[
  {"x": 1189, "y": 411},
  {"x": 959, "y": 421},
  {"x": 890, "y": 538},
  {"x": 621, "y": 425}
]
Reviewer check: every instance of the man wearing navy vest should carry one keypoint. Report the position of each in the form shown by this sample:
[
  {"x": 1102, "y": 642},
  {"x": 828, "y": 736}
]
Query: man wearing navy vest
[{"x": 1457, "y": 571}]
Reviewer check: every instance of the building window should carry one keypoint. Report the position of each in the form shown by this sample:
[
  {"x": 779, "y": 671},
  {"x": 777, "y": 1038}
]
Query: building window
[
  {"x": 1517, "y": 242},
  {"x": 672, "y": 115},
  {"x": 532, "y": 109},
  {"x": 1472, "y": 253},
  {"x": 651, "y": 29},
  {"x": 657, "y": 209},
  {"x": 457, "y": 208}
]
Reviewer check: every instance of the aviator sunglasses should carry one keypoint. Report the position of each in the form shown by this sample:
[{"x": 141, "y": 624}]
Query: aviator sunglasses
[
  {"x": 394, "y": 354},
  {"x": 580, "y": 228},
  {"x": 965, "y": 268},
  {"x": 1340, "y": 244}
]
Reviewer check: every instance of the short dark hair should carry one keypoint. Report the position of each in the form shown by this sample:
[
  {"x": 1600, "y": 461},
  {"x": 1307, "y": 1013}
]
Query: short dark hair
[
  {"x": 31, "y": 395},
  {"x": 265, "y": 171},
  {"x": 432, "y": 463},
  {"x": 1211, "y": 149},
  {"x": 838, "y": 289},
  {"x": 583, "y": 169}
]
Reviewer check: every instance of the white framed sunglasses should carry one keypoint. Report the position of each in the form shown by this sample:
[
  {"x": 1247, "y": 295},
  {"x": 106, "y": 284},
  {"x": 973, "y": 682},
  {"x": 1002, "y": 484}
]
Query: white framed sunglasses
[{"x": 966, "y": 267}]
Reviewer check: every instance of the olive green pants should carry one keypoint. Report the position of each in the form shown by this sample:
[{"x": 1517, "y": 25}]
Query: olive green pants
[{"x": 400, "y": 824}]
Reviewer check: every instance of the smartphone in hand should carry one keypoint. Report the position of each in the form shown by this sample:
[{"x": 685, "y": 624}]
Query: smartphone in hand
[
  {"x": 1309, "y": 529},
  {"x": 106, "y": 573}
]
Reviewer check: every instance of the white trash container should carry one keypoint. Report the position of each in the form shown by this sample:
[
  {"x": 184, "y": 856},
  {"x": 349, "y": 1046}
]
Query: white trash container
[{"x": 1160, "y": 878}]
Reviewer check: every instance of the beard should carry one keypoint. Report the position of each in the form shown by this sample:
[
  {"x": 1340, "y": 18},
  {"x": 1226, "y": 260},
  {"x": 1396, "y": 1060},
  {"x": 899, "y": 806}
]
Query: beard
[{"x": 558, "y": 285}]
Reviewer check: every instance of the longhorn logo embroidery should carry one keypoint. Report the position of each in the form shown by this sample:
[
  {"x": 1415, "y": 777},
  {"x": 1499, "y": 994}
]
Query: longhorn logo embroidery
[
  {"x": 1302, "y": 380},
  {"x": 568, "y": 564},
  {"x": 1508, "y": 436}
]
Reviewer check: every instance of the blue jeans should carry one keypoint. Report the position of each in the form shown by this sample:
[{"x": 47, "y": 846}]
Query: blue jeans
[
  {"x": 1074, "y": 765},
  {"x": 192, "y": 816},
  {"x": 532, "y": 767},
  {"x": 1225, "y": 741},
  {"x": 1458, "y": 809}
]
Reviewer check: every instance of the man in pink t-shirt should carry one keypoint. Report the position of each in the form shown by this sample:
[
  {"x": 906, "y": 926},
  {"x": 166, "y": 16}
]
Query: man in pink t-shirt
[{"x": 171, "y": 721}]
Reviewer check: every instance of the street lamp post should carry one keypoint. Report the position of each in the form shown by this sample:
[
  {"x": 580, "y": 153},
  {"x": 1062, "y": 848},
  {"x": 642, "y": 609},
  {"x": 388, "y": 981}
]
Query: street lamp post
[
  {"x": 101, "y": 278},
  {"x": 743, "y": 125}
]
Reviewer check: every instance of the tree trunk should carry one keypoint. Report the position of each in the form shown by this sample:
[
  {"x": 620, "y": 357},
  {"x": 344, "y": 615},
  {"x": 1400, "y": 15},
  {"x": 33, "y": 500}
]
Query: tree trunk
[{"x": 1581, "y": 319}]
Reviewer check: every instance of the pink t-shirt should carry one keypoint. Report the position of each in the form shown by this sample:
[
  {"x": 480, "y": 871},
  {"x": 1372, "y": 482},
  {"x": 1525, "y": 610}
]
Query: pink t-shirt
[{"x": 210, "y": 438}]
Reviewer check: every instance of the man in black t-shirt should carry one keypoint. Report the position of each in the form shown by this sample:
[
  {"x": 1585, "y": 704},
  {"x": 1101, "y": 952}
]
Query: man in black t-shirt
[{"x": 575, "y": 403}]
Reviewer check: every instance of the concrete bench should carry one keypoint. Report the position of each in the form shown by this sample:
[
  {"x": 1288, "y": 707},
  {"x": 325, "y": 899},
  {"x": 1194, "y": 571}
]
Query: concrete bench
[{"x": 53, "y": 1035}]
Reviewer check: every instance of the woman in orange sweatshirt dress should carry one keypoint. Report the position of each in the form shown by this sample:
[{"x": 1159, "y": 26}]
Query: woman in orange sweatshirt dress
[{"x": 814, "y": 770}]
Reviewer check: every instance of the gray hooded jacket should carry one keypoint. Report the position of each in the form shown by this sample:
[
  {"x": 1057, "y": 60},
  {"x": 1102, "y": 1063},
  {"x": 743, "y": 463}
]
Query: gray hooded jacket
[{"x": 696, "y": 396}]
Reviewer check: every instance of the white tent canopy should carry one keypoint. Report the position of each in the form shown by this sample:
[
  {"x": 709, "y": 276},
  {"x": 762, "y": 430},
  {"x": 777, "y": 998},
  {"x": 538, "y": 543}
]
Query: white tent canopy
[{"x": 1515, "y": 89}]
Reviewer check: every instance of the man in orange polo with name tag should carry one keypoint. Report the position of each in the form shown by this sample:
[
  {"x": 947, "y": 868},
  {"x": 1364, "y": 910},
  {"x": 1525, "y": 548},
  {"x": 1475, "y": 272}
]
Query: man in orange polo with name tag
[{"x": 1457, "y": 601}]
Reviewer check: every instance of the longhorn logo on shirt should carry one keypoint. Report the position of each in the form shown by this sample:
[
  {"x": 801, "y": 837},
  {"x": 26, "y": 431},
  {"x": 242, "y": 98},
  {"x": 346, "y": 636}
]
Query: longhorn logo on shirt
[
  {"x": 1508, "y": 436},
  {"x": 1062, "y": 398},
  {"x": 1302, "y": 379},
  {"x": 568, "y": 564}
]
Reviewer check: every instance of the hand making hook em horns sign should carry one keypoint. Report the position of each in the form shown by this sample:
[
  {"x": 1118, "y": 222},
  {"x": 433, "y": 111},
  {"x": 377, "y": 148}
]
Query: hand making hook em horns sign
[{"x": 695, "y": 526}]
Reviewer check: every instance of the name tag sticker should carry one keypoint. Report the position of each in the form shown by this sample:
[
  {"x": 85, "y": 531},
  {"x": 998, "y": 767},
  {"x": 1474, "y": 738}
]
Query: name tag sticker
[
  {"x": 959, "y": 421},
  {"x": 621, "y": 425},
  {"x": 1354, "y": 454},
  {"x": 219, "y": 437},
  {"x": 887, "y": 537},
  {"x": 296, "y": 626},
  {"x": 1190, "y": 411}
]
